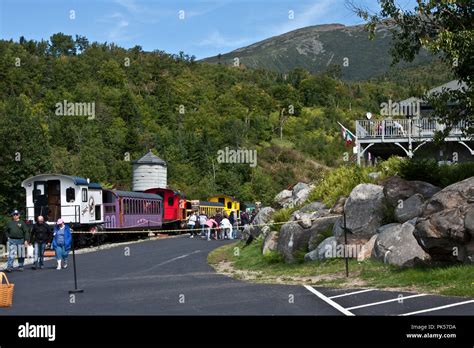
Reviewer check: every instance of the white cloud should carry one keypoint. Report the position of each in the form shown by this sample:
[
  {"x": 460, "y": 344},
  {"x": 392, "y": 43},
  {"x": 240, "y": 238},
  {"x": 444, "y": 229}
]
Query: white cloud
[
  {"x": 118, "y": 27},
  {"x": 216, "y": 39}
]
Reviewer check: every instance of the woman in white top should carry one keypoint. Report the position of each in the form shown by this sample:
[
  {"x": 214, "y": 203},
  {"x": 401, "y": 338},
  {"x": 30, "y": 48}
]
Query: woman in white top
[
  {"x": 226, "y": 228},
  {"x": 191, "y": 224}
]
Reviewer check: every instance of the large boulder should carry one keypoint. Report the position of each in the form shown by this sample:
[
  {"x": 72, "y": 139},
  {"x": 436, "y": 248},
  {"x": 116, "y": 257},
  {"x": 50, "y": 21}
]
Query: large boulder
[
  {"x": 444, "y": 235},
  {"x": 306, "y": 220},
  {"x": 312, "y": 207},
  {"x": 445, "y": 228},
  {"x": 338, "y": 229},
  {"x": 396, "y": 189},
  {"x": 366, "y": 250},
  {"x": 451, "y": 196},
  {"x": 396, "y": 245},
  {"x": 261, "y": 220},
  {"x": 293, "y": 241},
  {"x": 324, "y": 250},
  {"x": 270, "y": 243},
  {"x": 364, "y": 211},
  {"x": 301, "y": 193},
  {"x": 469, "y": 221},
  {"x": 409, "y": 208},
  {"x": 318, "y": 227},
  {"x": 284, "y": 198}
]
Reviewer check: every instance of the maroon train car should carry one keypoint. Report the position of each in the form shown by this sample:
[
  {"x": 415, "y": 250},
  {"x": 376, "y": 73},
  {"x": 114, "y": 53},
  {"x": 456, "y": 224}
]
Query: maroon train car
[
  {"x": 132, "y": 210},
  {"x": 174, "y": 204}
]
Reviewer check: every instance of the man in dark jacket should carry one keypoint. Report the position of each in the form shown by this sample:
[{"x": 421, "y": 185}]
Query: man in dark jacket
[
  {"x": 17, "y": 233},
  {"x": 252, "y": 217},
  {"x": 41, "y": 235}
]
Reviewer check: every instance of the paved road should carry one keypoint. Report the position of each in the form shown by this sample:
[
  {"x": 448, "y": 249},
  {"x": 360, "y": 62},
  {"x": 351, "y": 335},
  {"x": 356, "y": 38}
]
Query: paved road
[{"x": 172, "y": 277}]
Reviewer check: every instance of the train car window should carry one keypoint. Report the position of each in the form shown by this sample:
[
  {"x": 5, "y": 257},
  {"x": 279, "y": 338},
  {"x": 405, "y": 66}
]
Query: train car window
[
  {"x": 229, "y": 205},
  {"x": 170, "y": 201},
  {"x": 70, "y": 194},
  {"x": 110, "y": 209},
  {"x": 97, "y": 212},
  {"x": 126, "y": 206},
  {"x": 84, "y": 195},
  {"x": 221, "y": 200}
]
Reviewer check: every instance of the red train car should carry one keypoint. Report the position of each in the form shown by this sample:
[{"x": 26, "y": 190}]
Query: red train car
[{"x": 174, "y": 207}]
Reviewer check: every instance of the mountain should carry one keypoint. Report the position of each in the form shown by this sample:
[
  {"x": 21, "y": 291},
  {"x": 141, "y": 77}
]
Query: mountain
[{"x": 317, "y": 48}]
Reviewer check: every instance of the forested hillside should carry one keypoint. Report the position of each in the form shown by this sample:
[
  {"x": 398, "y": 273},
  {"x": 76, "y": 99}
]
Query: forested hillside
[{"x": 184, "y": 110}]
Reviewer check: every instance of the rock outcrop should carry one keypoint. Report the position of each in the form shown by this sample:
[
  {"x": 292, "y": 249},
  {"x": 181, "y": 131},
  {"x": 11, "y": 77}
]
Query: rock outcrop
[
  {"x": 263, "y": 217},
  {"x": 270, "y": 242},
  {"x": 364, "y": 212},
  {"x": 409, "y": 208},
  {"x": 293, "y": 241},
  {"x": 324, "y": 250},
  {"x": 396, "y": 189},
  {"x": 290, "y": 198},
  {"x": 445, "y": 228},
  {"x": 396, "y": 245}
]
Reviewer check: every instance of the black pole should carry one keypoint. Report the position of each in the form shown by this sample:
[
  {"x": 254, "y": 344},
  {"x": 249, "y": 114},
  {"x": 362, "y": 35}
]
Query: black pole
[
  {"x": 345, "y": 246},
  {"x": 76, "y": 290}
]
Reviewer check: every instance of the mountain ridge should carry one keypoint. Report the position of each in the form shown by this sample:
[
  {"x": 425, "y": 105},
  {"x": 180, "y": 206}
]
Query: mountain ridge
[{"x": 316, "y": 48}]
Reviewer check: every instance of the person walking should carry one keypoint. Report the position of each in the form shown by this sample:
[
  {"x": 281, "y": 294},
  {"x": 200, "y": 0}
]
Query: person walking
[
  {"x": 233, "y": 222},
  {"x": 62, "y": 240},
  {"x": 17, "y": 234},
  {"x": 192, "y": 224},
  {"x": 40, "y": 236},
  {"x": 202, "y": 222}
]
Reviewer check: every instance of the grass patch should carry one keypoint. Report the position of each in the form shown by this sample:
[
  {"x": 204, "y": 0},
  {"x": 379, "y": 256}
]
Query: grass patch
[{"x": 453, "y": 280}]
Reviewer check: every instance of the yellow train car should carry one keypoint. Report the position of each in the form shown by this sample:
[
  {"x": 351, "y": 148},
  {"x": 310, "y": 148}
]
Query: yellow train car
[
  {"x": 209, "y": 208},
  {"x": 230, "y": 203}
]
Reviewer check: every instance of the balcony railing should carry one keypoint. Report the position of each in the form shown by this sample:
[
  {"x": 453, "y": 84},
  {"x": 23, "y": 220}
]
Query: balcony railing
[{"x": 423, "y": 128}]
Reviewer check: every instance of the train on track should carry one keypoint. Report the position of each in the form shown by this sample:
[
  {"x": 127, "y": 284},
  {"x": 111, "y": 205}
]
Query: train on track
[{"x": 87, "y": 206}]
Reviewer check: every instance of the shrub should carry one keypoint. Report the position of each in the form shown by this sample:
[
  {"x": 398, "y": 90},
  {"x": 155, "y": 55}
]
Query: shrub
[
  {"x": 391, "y": 166},
  {"x": 420, "y": 169},
  {"x": 340, "y": 182},
  {"x": 439, "y": 175},
  {"x": 273, "y": 257},
  {"x": 449, "y": 174},
  {"x": 282, "y": 215}
]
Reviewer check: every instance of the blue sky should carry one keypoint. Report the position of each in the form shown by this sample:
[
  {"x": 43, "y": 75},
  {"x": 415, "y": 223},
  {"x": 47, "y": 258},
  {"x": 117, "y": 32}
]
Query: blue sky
[{"x": 209, "y": 27}]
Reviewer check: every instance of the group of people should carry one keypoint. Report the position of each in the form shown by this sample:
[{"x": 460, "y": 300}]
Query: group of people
[
  {"x": 219, "y": 226},
  {"x": 19, "y": 236}
]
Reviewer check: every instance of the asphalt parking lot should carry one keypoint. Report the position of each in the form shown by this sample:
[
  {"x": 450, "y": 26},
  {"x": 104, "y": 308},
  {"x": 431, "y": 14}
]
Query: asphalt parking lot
[{"x": 172, "y": 277}]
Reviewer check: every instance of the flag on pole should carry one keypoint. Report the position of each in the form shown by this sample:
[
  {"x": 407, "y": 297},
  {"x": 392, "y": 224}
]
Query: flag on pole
[{"x": 347, "y": 135}]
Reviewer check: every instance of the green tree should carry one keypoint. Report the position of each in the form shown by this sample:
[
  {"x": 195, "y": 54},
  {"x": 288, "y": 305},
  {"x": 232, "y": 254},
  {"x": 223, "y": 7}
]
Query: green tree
[{"x": 445, "y": 28}]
